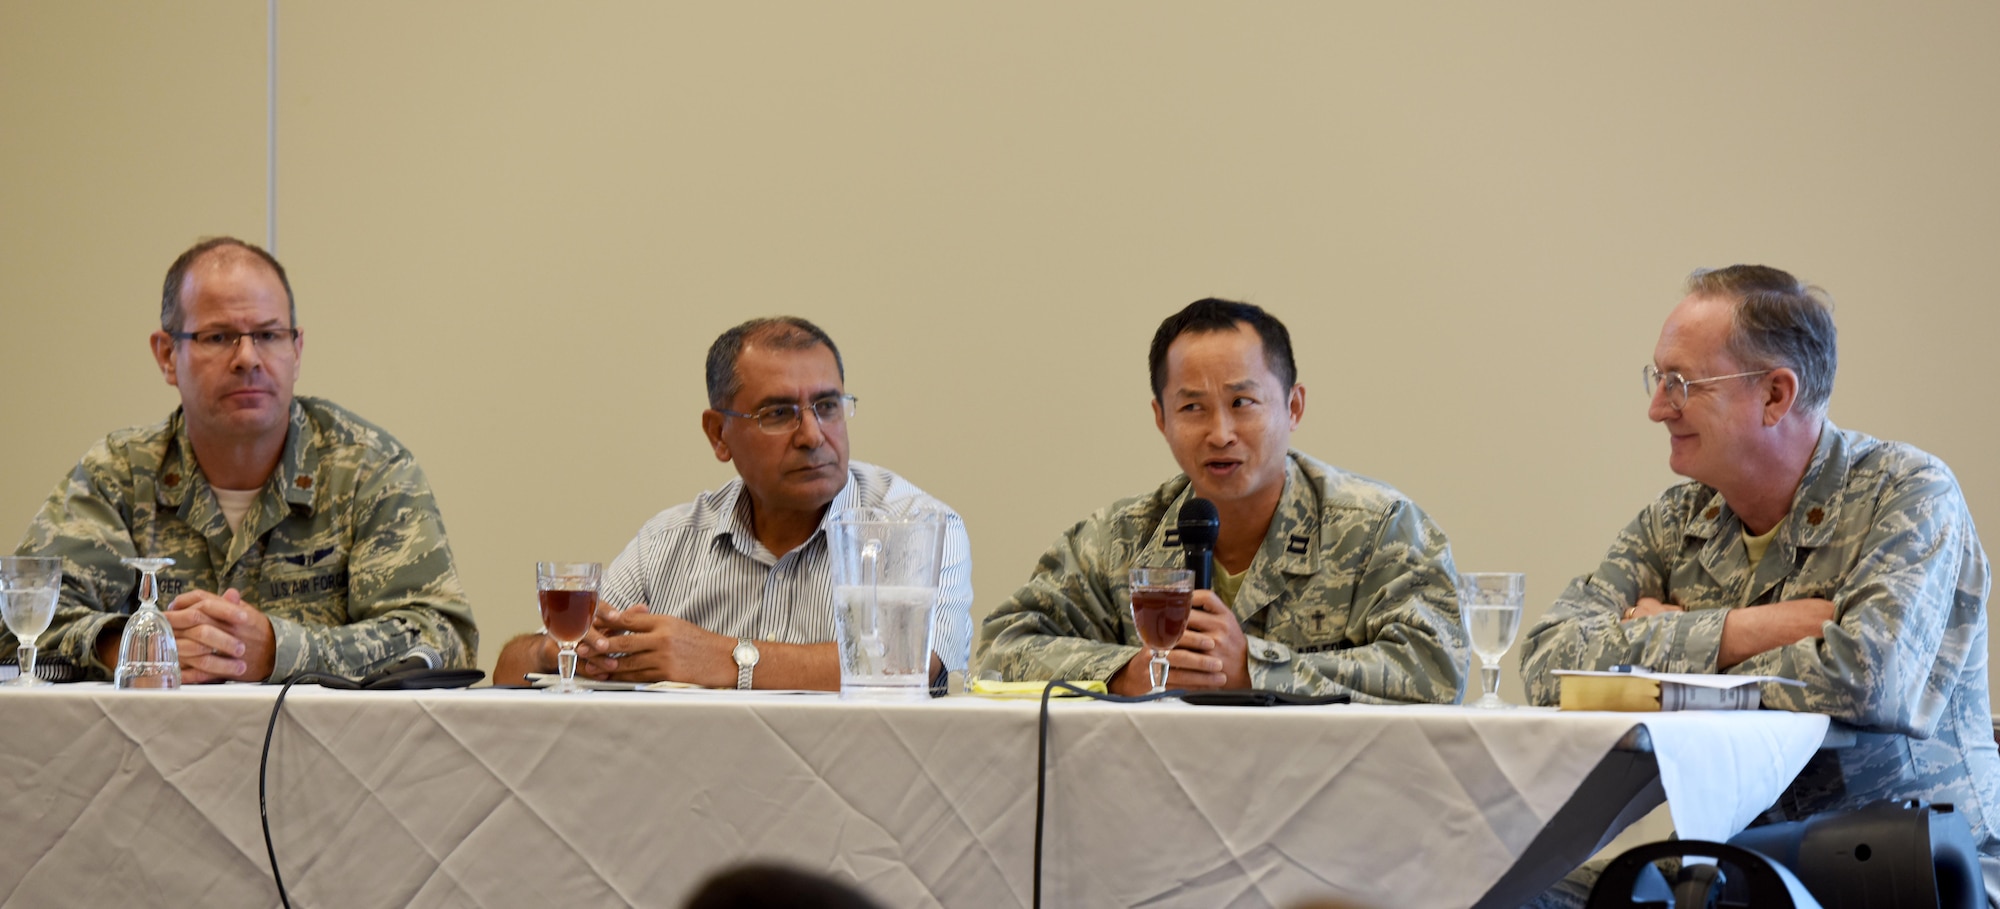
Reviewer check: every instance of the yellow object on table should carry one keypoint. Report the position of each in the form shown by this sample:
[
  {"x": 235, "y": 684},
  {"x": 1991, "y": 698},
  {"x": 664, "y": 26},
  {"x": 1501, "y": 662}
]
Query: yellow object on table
[{"x": 989, "y": 688}]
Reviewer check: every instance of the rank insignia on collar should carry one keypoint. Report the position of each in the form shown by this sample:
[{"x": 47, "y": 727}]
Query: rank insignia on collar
[
  {"x": 1297, "y": 545},
  {"x": 1172, "y": 539}
]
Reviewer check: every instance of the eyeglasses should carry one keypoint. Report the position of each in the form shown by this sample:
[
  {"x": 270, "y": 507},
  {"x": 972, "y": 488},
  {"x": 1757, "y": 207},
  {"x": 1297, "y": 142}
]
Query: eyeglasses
[
  {"x": 1676, "y": 385},
  {"x": 779, "y": 418},
  {"x": 221, "y": 341}
]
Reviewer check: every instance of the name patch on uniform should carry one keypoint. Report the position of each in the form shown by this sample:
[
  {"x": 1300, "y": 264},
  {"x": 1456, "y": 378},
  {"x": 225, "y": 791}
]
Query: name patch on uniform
[
  {"x": 278, "y": 590},
  {"x": 1319, "y": 648},
  {"x": 1297, "y": 545},
  {"x": 170, "y": 587}
]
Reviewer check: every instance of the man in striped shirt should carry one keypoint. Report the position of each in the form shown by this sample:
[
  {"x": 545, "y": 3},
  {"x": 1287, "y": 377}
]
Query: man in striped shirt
[{"x": 736, "y": 587}]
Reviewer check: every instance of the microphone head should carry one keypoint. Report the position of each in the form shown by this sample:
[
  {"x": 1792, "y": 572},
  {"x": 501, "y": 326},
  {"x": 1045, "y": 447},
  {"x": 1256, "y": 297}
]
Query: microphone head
[
  {"x": 425, "y": 653},
  {"x": 1200, "y": 524}
]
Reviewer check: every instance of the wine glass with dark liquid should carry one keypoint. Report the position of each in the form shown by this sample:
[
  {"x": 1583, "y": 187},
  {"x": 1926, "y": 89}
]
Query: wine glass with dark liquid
[
  {"x": 568, "y": 595},
  {"x": 1161, "y": 598}
]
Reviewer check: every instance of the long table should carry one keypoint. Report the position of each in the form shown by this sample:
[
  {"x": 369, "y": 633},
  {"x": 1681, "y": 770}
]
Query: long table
[{"x": 501, "y": 798}]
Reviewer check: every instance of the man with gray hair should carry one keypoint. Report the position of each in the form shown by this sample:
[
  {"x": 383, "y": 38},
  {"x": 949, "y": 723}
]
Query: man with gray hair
[
  {"x": 734, "y": 589},
  {"x": 1800, "y": 550}
]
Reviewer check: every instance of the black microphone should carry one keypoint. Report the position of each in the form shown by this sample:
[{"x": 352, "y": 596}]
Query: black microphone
[
  {"x": 420, "y": 667},
  {"x": 422, "y": 656},
  {"x": 1200, "y": 525}
]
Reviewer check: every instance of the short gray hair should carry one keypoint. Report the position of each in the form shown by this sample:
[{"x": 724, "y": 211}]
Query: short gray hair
[
  {"x": 1778, "y": 321},
  {"x": 777, "y": 333},
  {"x": 171, "y": 306}
]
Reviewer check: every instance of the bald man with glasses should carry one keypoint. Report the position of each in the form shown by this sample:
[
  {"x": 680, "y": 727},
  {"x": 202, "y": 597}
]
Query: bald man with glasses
[
  {"x": 1795, "y": 549},
  {"x": 735, "y": 589},
  {"x": 304, "y": 538}
]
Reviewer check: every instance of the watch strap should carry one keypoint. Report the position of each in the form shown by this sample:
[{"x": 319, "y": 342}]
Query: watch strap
[{"x": 744, "y": 669}]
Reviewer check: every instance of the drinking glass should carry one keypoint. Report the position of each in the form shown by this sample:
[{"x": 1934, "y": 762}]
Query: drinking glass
[
  {"x": 568, "y": 595},
  {"x": 1489, "y": 602},
  {"x": 1161, "y": 598},
  {"x": 28, "y": 591},
  {"x": 147, "y": 654}
]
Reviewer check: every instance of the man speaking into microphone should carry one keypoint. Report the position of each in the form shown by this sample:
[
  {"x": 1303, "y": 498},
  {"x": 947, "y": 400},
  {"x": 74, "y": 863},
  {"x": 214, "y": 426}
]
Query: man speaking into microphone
[{"x": 1323, "y": 582}]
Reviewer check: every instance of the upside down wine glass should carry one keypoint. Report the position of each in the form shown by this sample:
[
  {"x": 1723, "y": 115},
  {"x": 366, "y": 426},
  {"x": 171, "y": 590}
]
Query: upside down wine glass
[
  {"x": 1489, "y": 602},
  {"x": 1161, "y": 598},
  {"x": 28, "y": 590},
  {"x": 147, "y": 654},
  {"x": 567, "y": 592}
]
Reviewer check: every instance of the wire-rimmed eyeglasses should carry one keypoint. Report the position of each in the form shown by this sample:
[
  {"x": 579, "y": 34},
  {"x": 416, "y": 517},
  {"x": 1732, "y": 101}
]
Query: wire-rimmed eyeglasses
[
  {"x": 219, "y": 341},
  {"x": 780, "y": 418},
  {"x": 1676, "y": 385}
]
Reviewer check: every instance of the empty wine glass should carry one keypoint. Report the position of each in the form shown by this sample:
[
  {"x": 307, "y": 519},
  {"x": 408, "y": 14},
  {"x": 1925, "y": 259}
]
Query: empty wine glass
[
  {"x": 1489, "y": 602},
  {"x": 1161, "y": 598},
  {"x": 28, "y": 590},
  {"x": 147, "y": 654},
  {"x": 568, "y": 595}
]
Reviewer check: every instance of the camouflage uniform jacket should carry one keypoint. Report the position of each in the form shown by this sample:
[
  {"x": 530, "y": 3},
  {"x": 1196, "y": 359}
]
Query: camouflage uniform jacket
[
  {"x": 1879, "y": 528},
  {"x": 1352, "y": 591},
  {"x": 343, "y": 549}
]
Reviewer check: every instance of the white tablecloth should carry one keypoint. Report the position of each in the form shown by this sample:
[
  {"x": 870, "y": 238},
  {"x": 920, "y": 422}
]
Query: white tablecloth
[{"x": 517, "y": 798}]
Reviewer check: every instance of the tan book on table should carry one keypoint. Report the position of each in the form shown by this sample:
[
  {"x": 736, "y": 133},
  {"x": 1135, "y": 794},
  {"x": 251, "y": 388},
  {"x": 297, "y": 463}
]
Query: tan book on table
[{"x": 1639, "y": 690}]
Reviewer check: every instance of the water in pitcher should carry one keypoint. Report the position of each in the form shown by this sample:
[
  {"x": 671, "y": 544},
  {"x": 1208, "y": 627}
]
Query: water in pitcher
[{"x": 891, "y": 655}]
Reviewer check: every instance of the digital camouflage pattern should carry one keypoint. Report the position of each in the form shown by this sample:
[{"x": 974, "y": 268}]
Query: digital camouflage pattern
[
  {"x": 343, "y": 549},
  {"x": 1879, "y": 528},
  {"x": 1353, "y": 592}
]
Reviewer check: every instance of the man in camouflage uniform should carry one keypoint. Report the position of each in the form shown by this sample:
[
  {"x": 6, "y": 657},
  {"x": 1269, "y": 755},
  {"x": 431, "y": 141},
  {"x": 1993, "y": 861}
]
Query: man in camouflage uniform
[
  {"x": 304, "y": 538},
  {"x": 1326, "y": 582},
  {"x": 1796, "y": 549}
]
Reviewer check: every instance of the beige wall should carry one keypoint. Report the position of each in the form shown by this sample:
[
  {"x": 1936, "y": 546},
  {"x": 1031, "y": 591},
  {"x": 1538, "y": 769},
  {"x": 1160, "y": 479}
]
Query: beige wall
[{"x": 514, "y": 228}]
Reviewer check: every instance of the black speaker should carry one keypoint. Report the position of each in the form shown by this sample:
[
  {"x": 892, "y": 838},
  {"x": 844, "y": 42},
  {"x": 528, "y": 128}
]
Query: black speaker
[
  {"x": 1753, "y": 880},
  {"x": 1885, "y": 854}
]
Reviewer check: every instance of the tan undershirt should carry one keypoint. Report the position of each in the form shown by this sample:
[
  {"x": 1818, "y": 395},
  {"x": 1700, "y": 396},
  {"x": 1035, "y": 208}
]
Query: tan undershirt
[
  {"x": 1226, "y": 585},
  {"x": 235, "y": 504},
  {"x": 1754, "y": 547}
]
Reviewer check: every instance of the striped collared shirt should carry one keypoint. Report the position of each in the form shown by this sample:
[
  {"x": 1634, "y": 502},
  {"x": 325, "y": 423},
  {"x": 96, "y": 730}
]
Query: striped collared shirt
[{"x": 701, "y": 562}]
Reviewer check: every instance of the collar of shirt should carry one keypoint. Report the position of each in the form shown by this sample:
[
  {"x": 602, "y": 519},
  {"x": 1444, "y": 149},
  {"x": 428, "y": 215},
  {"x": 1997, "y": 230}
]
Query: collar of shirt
[
  {"x": 733, "y": 520},
  {"x": 296, "y": 466},
  {"x": 1290, "y": 547},
  {"x": 1819, "y": 492}
]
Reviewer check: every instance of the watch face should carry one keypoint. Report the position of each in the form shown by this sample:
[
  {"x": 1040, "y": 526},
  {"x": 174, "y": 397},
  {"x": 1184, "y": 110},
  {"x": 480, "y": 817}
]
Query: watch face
[{"x": 745, "y": 654}]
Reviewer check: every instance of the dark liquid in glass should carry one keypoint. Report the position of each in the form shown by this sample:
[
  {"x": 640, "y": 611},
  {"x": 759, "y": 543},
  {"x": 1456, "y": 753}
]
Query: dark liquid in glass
[
  {"x": 1161, "y": 614},
  {"x": 567, "y": 613}
]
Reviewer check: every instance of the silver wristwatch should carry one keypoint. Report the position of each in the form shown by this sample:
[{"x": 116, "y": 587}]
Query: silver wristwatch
[{"x": 745, "y": 655}]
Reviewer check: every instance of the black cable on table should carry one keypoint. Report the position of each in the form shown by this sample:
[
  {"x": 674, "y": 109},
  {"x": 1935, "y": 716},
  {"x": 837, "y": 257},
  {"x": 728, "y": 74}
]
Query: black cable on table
[{"x": 1042, "y": 756}]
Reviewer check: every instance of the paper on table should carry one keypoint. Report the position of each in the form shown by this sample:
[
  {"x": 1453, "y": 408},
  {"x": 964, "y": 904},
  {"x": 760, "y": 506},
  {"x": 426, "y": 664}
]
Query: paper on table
[
  {"x": 549, "y": 679},
  {"x": 1698, "y": 679}
]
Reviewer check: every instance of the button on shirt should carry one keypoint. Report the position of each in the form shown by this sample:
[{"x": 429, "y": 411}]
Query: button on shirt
[{"x": 701, "y": 562}]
